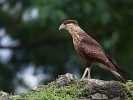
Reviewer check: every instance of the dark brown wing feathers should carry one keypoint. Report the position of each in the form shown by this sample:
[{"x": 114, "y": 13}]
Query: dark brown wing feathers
[
  {"x": 118, "y": 69},
  {"x": 93, "y": 51}
]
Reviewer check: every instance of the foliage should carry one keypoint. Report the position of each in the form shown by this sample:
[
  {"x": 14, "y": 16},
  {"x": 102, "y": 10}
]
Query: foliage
[
  {"x": 129, "y": 87},
  {"x": 46, "y": 93},
  {"x": 33, "y": 25}
]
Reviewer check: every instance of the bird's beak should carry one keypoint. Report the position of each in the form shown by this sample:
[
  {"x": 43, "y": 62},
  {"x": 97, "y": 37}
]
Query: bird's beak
[{"x": 62, "y": 26}]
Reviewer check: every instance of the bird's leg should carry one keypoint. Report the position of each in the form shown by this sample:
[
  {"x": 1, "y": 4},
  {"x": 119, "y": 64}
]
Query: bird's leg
[
  {"x": 85, "y": 72},
  {"x": 89, "y": 73}
]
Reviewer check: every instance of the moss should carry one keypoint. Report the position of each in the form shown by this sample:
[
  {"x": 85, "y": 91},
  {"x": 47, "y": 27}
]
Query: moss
[
  {"x": 129, "y": 87},
  {"x": 17, "y": 97},
  {"x": 71, "y": 90},
  {"x": 45, "y": 92}
]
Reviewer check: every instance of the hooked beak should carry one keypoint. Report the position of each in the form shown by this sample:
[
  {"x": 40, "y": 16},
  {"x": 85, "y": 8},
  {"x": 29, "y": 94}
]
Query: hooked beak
[{"x": 62, "y": 26}]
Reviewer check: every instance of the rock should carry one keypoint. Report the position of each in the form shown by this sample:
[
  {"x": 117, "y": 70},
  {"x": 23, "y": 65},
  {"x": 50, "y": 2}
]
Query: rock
[
  {"x": 4, "y": 96},
  {"x": 69, "y": 87},
  {"x": 93, "y": 88}
]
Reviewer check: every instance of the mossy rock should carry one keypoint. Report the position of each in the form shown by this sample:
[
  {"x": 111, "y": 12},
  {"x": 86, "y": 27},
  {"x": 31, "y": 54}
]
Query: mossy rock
[{"x": 68, "y": 87}]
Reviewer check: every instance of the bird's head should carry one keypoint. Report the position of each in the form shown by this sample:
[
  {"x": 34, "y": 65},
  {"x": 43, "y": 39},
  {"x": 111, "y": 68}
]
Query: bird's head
[{"x": 68, "y": 25}]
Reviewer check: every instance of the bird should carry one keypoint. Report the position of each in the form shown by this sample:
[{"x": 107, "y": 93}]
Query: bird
[{"x": 90, "y": 51}]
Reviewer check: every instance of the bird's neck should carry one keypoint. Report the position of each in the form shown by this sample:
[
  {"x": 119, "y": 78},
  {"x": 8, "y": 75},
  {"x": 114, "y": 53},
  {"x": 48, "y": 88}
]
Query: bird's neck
[{"x": 76, "y": 32}]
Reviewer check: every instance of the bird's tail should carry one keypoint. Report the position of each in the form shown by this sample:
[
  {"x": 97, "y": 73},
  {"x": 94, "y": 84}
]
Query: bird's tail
[
  {"x": 119, "y": 76},
  {"x": 118, "y": 72}
]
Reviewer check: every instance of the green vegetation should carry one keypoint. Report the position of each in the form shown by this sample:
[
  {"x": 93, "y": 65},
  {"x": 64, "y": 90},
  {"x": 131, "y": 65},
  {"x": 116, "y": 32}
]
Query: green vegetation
[
  {"x": 46, "y": 92},
  {"x": 129, "y": 87}
]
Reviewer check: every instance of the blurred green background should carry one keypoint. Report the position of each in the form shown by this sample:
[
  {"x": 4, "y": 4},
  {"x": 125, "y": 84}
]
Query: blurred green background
[{"x": 33, "y": 51}]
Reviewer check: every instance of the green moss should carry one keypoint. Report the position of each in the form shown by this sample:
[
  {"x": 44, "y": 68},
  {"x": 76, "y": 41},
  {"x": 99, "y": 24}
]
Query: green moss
[
  {"x": 129, "y": 87},
  {"x": 73, "y": 91},
  {"x": 17, "y": 97},
  {"x": 46, "y": 93}
]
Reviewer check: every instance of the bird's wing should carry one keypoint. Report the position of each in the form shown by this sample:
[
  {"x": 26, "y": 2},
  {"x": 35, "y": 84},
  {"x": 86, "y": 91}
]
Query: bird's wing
[{"x": 91, "y": 50}]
